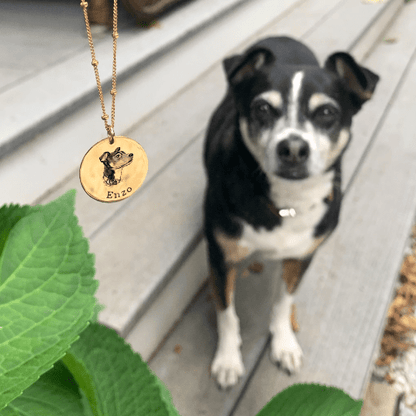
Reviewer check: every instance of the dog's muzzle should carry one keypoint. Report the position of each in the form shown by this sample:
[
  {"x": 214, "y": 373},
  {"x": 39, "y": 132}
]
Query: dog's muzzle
[{"x": 293, "y": 154}]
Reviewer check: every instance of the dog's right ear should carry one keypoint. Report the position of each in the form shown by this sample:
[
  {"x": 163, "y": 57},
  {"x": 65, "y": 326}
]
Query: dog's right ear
[
  {"x": 104, "y": 156},
  {"x": 240, "y": 67}
]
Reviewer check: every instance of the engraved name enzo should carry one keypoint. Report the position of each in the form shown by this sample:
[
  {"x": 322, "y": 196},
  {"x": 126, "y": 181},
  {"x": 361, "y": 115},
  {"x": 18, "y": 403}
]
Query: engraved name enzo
[{"x": 115, "y": 195}]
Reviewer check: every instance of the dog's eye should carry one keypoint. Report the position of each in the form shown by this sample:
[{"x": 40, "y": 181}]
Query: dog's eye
[
  {"x": 263, "y": 108},
  {"x": 326, "y": 116},
  {"x": 263, "y": 111}
]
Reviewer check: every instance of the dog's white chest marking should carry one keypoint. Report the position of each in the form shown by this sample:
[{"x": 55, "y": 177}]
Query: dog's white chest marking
[{"x": 294, "y": 237}]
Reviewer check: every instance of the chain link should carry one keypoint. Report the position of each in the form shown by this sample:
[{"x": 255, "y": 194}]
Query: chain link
[{"x": 94, "y": 63}]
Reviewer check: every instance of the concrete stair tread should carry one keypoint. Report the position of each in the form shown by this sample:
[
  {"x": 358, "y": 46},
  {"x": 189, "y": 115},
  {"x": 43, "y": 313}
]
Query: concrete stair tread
[{"x": 49, "y": 92}]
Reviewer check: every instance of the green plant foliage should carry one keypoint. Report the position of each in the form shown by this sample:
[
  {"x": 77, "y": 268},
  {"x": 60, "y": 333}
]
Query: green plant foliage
[
  {"x": 47, "y": 299},
  {"x": 97, "y": 309},
  {"x": 54, "y": 394},
  {"x": 312, "y": 400},
  {"x": 113, "y": 378},
  {"x": 9, "y": 216},
  {"x": 46, "y": 291}
]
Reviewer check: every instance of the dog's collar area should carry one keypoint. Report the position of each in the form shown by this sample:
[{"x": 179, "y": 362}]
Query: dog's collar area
[
  {"x": 283, "y": 212},
  {"x": 287, "y": 212}
]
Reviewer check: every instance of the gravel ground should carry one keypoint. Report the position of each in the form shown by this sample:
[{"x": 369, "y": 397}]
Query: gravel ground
[{"x": 401, "y": 372}]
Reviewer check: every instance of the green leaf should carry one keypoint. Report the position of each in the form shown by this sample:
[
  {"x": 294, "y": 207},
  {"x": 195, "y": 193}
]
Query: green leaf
[
  {"x": 113, "y": 378},
  {"x": 54, "y": 394},
  {"x": 9, "y": 216},
  {"x": 46, "y": 295},
  {"x": 312, "y": 400},
  {"x": 97, "y": 309}
]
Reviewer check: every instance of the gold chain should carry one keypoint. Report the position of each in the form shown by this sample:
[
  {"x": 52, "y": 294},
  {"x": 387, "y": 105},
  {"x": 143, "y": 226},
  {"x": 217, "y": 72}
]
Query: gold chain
[{"x": 94, "y": 63}]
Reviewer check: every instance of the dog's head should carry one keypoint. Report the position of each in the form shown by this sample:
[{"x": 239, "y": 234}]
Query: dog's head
[
  {"x": 117, "y": 159},
  {"x": 295, "y": 119}
]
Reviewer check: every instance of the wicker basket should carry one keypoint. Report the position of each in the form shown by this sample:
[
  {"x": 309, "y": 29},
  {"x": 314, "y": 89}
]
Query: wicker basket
[
  {"x": 100, "y": 12},
  {"x": 147, "y": 10}
]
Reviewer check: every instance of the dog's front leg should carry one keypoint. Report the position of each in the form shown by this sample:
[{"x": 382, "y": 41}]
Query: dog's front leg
[
  {"x": 227, "y": 365},
  {"x": 225, "y": 254},
  {"x": 284, "y": 345}
]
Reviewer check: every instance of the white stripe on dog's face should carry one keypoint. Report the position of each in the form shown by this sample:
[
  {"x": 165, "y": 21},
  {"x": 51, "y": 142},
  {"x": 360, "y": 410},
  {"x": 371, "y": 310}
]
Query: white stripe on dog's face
[
  {"x": 294, "y": 99},
  {"x": 297, "y": 116}
]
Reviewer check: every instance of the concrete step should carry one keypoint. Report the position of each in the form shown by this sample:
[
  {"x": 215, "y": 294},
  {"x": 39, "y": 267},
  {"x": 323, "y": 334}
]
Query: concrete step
[
  {"x": 62, "y": 80},
  {"x": 149, "y": 249}
]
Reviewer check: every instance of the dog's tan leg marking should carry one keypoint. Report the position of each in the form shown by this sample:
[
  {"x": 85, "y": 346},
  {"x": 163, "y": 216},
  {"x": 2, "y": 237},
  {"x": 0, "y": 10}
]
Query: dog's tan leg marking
[
  {"x": 245, "y": 273},
  {"x": 214, "y": 290},
  {"x": 292, "y": 271},
  {"x": 230, "y": 284},
  {"x": 229, "y": 288},
  {"x": 293, "y": 319},
  {"x": 256, "y": 267},
  {"x": 233, "y": 253}
]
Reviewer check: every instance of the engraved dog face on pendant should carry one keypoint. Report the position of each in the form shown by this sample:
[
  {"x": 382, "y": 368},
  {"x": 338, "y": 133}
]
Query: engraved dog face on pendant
[
  {"x": 113, "y": 172},
  {"x": 113, "y": 165}
]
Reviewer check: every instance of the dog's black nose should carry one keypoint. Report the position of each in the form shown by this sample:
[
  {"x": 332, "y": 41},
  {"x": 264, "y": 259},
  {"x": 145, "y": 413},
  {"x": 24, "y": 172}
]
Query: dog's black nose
[{"x": 293, "y": 150}]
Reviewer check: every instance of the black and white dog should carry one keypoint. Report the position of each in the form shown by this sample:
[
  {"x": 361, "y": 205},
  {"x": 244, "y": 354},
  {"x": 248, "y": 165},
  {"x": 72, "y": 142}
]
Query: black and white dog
[{"x": 273, "y": 159}]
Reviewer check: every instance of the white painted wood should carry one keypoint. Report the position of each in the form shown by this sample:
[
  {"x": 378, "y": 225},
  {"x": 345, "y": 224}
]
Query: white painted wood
[
  {"x": 35, "y": 36},
  {"x": 156, "y": 322},
  {"x": 7, "y": 77},
  {"x": 342, "y": 27},
  {"x": 47, "y": 96},
  {"x": 388, "y": 60},
  {"x": 139, "y": 248},
  {"x": 376, "y": 28}
]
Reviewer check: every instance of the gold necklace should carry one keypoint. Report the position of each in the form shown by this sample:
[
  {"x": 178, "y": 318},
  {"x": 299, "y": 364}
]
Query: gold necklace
[{"x": 114, "y": 168}]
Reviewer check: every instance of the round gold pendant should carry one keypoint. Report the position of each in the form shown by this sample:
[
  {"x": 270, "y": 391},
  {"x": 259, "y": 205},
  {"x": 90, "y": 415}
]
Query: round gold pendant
[{"x": 113, "y": 172}]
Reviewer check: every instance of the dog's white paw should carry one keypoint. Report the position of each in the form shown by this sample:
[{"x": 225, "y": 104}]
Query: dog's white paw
[
  {"x": 286, "y": 351},
  {"x": 227, "y": 367}
]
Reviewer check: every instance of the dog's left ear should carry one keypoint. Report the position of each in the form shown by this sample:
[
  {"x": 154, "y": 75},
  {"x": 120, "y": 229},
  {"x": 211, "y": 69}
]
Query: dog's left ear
[
  {"x": 229, "y": 64},
  {"x": 240, "y": 67},
  {"x": 361, "y": 81}
]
